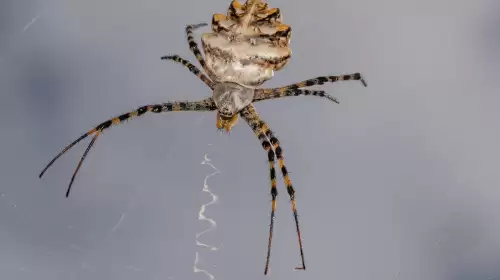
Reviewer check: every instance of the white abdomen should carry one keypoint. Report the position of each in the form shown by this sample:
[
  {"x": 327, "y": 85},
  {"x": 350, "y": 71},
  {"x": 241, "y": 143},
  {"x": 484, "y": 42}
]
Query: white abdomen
[{"x": 247, "y": 45}]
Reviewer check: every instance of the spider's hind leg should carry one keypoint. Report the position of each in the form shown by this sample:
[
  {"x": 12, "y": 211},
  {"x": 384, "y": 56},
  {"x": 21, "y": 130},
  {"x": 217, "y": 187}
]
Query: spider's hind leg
[
  {"x": 193, "y": 69},
  {"x": 193, "y": 45},
  {"x": 196, "y": 51}
]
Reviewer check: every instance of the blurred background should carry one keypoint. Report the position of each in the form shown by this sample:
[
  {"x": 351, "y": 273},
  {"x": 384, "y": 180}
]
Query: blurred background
[{"x": 399, "y": 181}]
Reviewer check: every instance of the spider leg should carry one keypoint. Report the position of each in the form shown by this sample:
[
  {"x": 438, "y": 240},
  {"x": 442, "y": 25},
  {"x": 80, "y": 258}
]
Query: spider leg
[
  {"x": 252, "y": 118},
  {"x": 203, "y": 105},
  {"x": 191, "y": 68},
  {"x": 260, "y": 95},
  {"x": 289, "y": 187},
  {"x": 193, "y": 45},
  {"x": 318, "y": 81},
  {"x": 264, "y": 133}
]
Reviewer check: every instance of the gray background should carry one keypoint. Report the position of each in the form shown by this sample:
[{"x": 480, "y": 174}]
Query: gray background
[{"x": 399, "y": 181}]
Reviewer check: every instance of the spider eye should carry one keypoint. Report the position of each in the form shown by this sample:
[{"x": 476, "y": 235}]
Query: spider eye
[{"x": 225, "y": 113}]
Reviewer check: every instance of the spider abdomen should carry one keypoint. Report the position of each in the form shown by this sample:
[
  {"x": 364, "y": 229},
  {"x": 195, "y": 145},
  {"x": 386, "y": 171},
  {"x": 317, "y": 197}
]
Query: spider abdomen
[{"x": 247, "y": 45}]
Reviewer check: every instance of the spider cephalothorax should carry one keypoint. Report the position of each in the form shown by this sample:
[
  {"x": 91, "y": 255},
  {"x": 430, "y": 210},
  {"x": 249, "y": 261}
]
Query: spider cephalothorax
[
  {"x": 245, "y": 48},
  {"x": 230, "y": 98}
]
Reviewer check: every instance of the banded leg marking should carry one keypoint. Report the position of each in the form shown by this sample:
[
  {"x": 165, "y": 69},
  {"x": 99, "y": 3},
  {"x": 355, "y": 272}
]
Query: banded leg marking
[
  {"x": 260, "y": 95},
  {"x": 260, "y": 127},
  {"x": 203, "y": 105},
  {"x": 318, "y": 81},
  {"x": 193, "y": 45},
  {"x": 253, "y": 120},
  {"x": 193, "y": 69}
]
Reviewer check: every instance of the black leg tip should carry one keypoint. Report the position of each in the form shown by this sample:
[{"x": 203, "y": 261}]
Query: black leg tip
[
  {"x": 68, "y": 191},
  {"x": 359, "y": 77},
  {"x": 194, "y": 26},
  {"x": 363, "y": 81},
  {"x": 331, "y": 98},
  {"x": 172, "y": 57}
]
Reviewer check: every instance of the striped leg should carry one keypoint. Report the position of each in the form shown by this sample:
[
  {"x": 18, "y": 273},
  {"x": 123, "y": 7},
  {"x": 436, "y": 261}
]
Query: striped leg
[
  {"x": 193, "y": 45},
  {"x": 318, "y": 81},
  {"x": 260, "y": 127},
  {"x": 191, "y": 68},
  {"x": 252, "y": 118},
  {"x": 260, "y": 95},
  {"x": 289, "y": 187},
  {"x": 203, "y": 105}
]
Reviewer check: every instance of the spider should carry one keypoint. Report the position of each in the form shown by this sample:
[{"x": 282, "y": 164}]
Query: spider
[{"x": 239, "y": 56}]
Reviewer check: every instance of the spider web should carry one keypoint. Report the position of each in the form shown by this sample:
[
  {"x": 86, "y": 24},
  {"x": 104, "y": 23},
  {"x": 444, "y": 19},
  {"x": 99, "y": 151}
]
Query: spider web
[
  {"x": 12, "y": 43},
  {"x": 202, "y": 217}
]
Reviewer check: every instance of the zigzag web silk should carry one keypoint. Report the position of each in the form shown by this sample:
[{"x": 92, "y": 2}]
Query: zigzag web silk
[{"x": 201, "y": 216}]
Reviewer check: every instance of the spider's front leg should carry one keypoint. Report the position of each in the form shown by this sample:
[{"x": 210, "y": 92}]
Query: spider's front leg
[
  {"x": 289, "y": 188},
  {"x": 203, "y": 105},
  {"x": 271, "y": 144}
]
